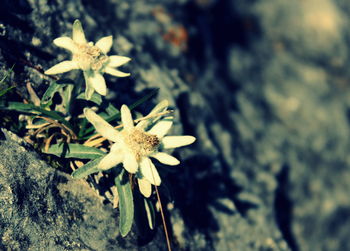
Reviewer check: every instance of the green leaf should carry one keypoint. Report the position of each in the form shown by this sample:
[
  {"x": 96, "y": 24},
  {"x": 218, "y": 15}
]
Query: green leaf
[
  {"x": 126, "y": 203},
  {"x": 83, "y": 123},
  {"x": 96, "y": 98},
  {"x": 67, "y": 97},
  {"x": 75, "y": 151},
  {"x": 50, "y": 92},
  {"x": 7, "y": 74},
  {"x": 111, "y": 109},
  {"x": 144, "y": 99},
  {"x": 18, "y": 106},
  {"x": 32, "y": 109},
  {"x": 3, "y": 92},
  {"x": 87, "y": 169}
]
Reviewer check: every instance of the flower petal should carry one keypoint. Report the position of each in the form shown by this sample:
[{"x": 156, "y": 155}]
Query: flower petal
[
  {"x": 145, "y": 187},
  {"x": 62, "y": 67},
  {"x": 130, "y": 163},
  {"x": 112, "y": 159},
  {"x": 89, "y": 90},
  {"x": 78, "y": 33},
  {"x": 162, "y": 127},
  {"x": 177, "y": 141},
  {"x": 66, "y": 43},
  {"x": 98, "y": 82},
  {"x": 105, "y": 44},
  {"x": 149, "y": 171},
  {"x": 166, "y": 159},
  {"x": 115, "y": 72},
  {"x": 115, "y": 61},
  {"x": 127, "y": 121},
  {"x": 160, "y": 107},
  {"x": 101, "y": 126}
]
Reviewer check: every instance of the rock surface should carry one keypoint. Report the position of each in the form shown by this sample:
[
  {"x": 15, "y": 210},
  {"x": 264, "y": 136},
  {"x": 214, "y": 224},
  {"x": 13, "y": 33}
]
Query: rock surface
[
  {"x": 263, "y": 85},
  {"x": 44, "y": 209}
]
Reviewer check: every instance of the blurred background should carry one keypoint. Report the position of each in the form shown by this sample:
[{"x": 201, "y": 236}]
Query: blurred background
[{"x": 264, "y": 85}]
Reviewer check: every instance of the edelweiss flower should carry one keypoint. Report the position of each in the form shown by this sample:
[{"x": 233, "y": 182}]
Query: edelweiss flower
[
  {"x": 133, "y": 145},
  {"x": 90, "y": 58}
]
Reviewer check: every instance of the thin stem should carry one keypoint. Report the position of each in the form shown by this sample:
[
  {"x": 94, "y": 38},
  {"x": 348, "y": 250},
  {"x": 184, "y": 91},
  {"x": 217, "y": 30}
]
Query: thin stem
[{"x": 163, "y": 220}]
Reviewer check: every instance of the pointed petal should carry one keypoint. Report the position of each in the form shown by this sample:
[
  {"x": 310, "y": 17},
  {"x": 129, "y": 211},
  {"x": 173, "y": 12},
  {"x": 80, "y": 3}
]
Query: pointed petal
[
  {"x": 166, "y": 159},
  {"x": 62, "y": 67},
  {"x": 130, "y": 163},
  {"x": 160, "y": 107},
  {"x": 89, "y": 90},
  {"x": 162, "y": 127},
  {"x": 112, "y": 159},
  {"x": 101, "y": 126},
  {"x": 78, "y": 33},
  {"x": 98, "y": 82},
  {"x": 115, "y": 72},
  {"x": 177, "y": 141},
  {"x": 115, "y": 61},
  {"x": 127, "y": 121},
  {"x": 150, "y": 214},
  {"x": 149, "y": 171},
  {"x": 145, "y": 187},
  {"x": 66, "y": 43},
  {"x": 105, "y": 44}
]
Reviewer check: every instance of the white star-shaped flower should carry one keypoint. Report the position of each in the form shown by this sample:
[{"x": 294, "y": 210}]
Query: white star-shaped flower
[
  {"x": 91, "y": 58},
  {"x": 134, "y": 145}
]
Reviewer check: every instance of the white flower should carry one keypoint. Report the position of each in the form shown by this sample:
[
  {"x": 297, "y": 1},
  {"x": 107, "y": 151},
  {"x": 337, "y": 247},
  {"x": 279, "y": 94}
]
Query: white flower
[
  {"x": 134, "y": 145},
  {"x": 90, "y": 58}
]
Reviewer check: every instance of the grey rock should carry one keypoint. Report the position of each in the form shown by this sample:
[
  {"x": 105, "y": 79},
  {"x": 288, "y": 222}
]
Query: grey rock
[
  {"x": 298, "y": 127},
  {"x": 45, "y": 209}
]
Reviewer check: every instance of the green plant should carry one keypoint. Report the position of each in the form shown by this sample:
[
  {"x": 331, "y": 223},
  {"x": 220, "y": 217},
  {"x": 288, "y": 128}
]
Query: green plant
[{"x": 63, "y": 128}]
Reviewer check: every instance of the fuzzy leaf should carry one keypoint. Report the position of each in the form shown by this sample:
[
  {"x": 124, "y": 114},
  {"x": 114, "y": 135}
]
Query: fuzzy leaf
[
  {"x": 96, "y": 98},
  {"x": 111, "y": 110},
  {"x": 75, "y": 151},
  {"x": 87, "y": 169},
  {"x": 50, "y": 92},
  {"x": 126, "y": 203},
  {"x": 54, "y": 87},
  {"x": 32, "y": 109},
  {"x": 67, "y": 97}
]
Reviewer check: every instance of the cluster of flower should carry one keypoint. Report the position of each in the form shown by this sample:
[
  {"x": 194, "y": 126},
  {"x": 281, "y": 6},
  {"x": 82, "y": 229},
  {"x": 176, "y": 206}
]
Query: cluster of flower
[{"x": 134, "y": 144}]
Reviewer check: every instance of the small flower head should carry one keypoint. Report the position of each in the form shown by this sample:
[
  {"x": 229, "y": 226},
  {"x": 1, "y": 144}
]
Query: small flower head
[
  {"x": 134, "y": 145},
  {"x": 91, "y": 58}
]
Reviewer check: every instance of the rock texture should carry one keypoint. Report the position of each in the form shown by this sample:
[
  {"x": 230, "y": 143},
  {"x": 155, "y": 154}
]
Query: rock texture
[
  {"x": 263, "y": 85},
  {"x": 44, "y": 209}
]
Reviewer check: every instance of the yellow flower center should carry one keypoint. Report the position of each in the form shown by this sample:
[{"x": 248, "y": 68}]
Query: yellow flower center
[
  {"x": 90, "y": 57},
  {"x": 140, "y": 142}
]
